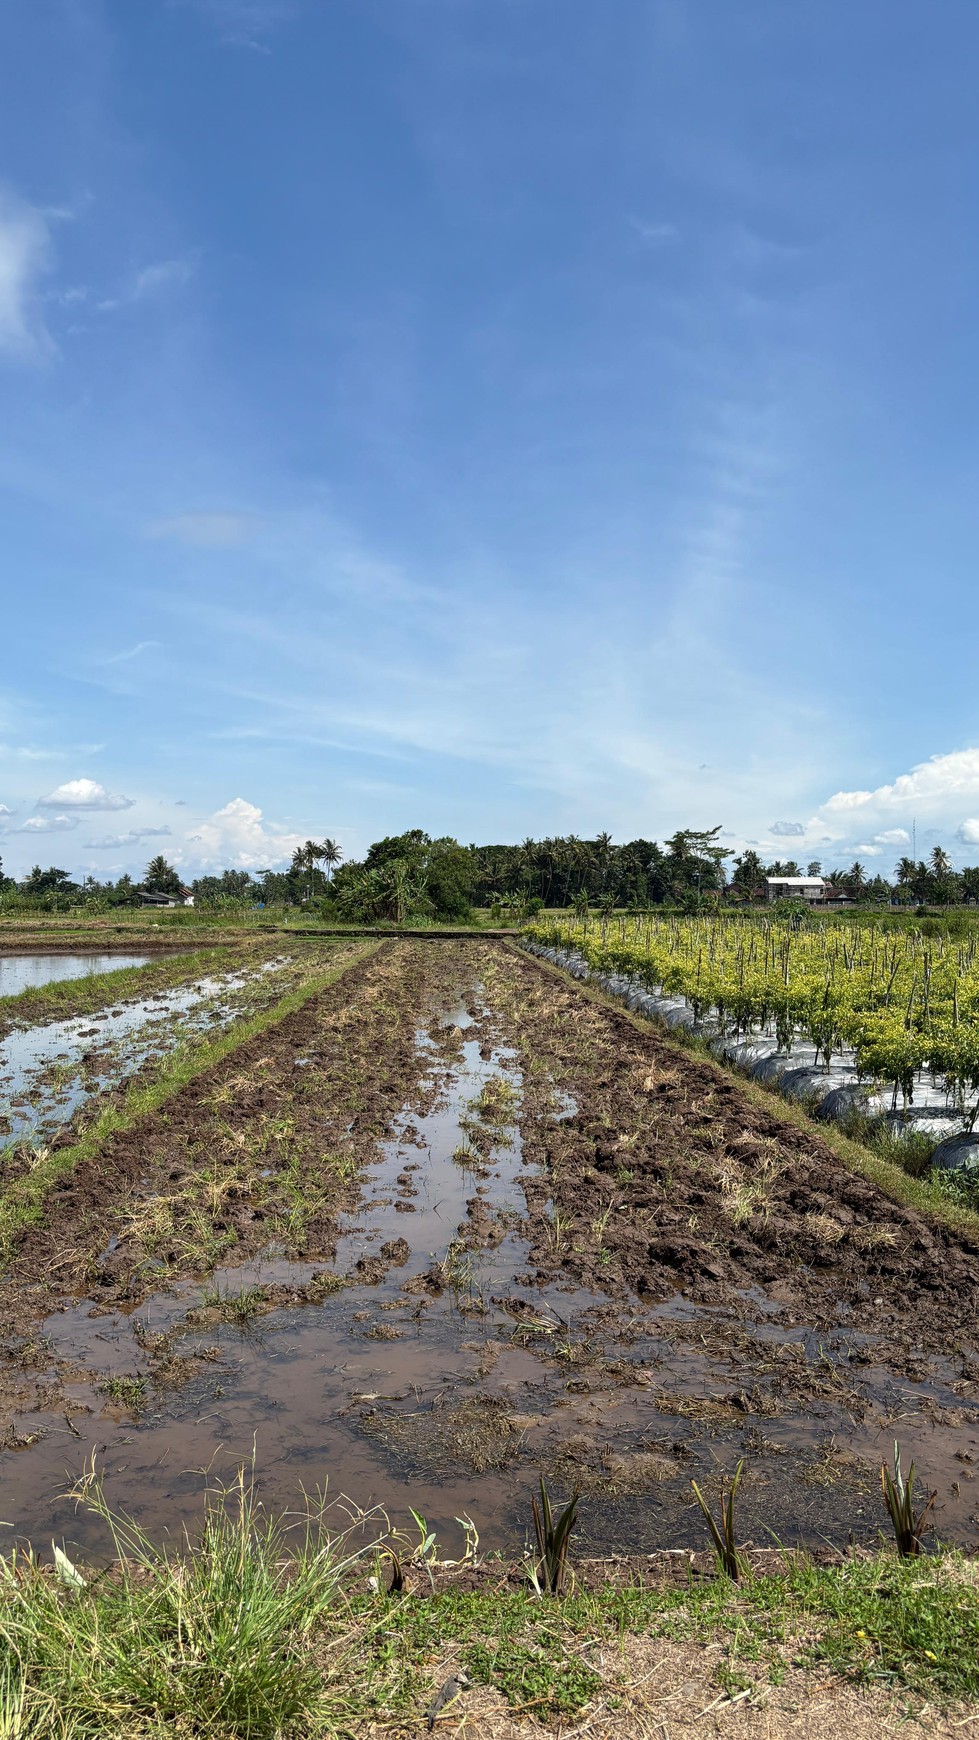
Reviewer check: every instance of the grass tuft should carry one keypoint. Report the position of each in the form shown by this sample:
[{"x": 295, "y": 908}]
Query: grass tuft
[{"x": 213, "y": 1639}]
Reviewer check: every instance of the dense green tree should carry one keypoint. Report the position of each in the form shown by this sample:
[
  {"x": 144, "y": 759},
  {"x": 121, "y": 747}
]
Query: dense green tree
[
  {"x": 50, "y": 881},
  {"x": 161, "y": 877},
  {"x": 748, "y": 880},
  {"x": 230, "y": 885}
]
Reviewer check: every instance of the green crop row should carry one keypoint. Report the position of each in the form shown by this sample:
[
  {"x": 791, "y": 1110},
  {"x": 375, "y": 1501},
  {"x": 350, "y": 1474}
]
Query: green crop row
[{"x": 899, "y": 1001}]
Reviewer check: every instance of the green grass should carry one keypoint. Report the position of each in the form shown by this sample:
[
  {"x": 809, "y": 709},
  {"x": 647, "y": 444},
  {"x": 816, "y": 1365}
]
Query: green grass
[
  {"x": 129, "y": 1392},
  {"x": 67, "y": 997},
  {"x": 210, "y": 1640},
  {"x": 265, "y": 1629},
  {"x": 22, "y": 1199},
  {"x": 238, "y": 1305}
]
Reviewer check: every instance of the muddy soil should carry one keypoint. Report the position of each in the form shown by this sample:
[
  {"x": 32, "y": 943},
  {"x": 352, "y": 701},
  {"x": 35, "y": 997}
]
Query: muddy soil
[
  {"x": 455, "y": 1224},
  {"x": 667, "y": 1177}
]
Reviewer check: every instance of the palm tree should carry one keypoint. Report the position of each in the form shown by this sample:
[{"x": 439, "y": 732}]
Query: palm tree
[
  {"x": 941, "y": 863},
  {"x": 331, "y": 855}
]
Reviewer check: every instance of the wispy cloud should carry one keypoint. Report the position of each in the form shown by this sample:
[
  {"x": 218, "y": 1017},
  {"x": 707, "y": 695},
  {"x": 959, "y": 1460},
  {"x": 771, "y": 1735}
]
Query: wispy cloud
[
  {"x": 84, "y": 794},
  {"x": 28, "y": 752},
  {"x": 656, "y": 235},
  {"x": 135, "y": 837},
  {"x": 207, "y": 531},
  {"x": 150, "y": 281},
  {"x": 787, "y": 828},
  {"x": 246, "y": 23},
  {"x": 25, "y": 255},
  {"x": 132, "y": 652}
]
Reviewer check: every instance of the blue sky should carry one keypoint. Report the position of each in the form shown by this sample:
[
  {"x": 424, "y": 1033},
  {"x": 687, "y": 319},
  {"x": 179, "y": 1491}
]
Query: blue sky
[{"x": 498, "y": 416}]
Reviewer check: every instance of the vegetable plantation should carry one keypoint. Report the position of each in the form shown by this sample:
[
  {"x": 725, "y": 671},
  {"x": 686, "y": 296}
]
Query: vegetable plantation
[{"x": 899, "y": 1001}]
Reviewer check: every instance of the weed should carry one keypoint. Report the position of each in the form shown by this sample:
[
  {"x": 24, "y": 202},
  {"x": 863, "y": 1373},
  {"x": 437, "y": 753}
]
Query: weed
[
  {"x": 557, "y": 1233},
  {"x": 910, "y": 1526},
  {"x": 234, "y": 1307},
  {"x": 455, "y": 1269},
  {"x": 730, "y": 1559},
  {"x": 468, "y": 1156},
  {"x": 961, "y": 1187},
  {"x": 129, "y": 1392},
  {"x": 210, "y": 1639},
  {"x": 553, "y": 1538},
  {"x": 598, "y": 1226}
]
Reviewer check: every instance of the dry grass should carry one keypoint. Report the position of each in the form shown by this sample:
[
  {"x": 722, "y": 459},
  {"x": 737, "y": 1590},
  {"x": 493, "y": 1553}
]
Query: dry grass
[{"x": 661, "y": 1689}]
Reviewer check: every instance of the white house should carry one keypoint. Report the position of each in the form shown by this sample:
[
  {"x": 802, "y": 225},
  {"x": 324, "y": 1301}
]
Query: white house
[{"x": 796, "y": 888}]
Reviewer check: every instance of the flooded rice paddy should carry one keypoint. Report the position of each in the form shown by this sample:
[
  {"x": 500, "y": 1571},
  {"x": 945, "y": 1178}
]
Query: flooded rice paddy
[
  {"x": 48, "y": 1073},
  {"x": 470, "y": 1316},
  {"x": 26, "y": 972}
]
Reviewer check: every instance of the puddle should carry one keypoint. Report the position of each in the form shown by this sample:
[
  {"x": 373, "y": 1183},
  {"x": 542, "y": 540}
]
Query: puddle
[
  {"x": 444, "y": 1378},
  {"x": 48, "y": 1072},
  {"x": 27, "y": 972}
]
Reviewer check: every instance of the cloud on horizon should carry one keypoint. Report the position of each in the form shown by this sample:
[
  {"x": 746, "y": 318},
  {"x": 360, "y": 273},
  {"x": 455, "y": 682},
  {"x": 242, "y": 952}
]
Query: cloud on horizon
[{"x": 238, "y": 837}]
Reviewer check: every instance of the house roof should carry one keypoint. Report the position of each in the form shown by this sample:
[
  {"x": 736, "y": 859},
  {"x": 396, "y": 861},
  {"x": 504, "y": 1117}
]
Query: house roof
[{"x": 796, "y": 881}]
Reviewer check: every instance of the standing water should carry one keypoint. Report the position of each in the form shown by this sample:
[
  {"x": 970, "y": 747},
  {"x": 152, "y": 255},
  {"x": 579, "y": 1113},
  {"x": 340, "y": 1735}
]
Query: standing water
[{"x": 28, "y": 972}]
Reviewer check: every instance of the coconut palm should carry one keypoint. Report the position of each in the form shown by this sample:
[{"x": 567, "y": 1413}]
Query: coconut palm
[{"x": 330, "y": 854}]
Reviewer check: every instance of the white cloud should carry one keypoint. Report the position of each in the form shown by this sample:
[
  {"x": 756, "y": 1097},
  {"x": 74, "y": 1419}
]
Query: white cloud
[
  {"x": 929, "y": 798},
  {"x": 214, "y": 531},
  {"x": 25, "y": 254},
  {"x": 237, "y": 835},
  {"x": 787, "y": 828},
  {"x": 942, "y": 776},
  {"x": 84, "y": 794},
  {"x": 47, "y": 825},
  {"x": 135, "y": 837},
  {"x": 5, "y": 811}
]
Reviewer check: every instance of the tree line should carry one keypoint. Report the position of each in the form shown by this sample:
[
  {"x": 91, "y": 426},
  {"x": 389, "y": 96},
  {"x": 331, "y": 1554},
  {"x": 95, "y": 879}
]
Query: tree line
[{"x": 412, "y": 875}]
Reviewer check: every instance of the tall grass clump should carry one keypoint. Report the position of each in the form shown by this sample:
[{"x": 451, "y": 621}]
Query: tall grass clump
[{"x": 212, "y": 1637}]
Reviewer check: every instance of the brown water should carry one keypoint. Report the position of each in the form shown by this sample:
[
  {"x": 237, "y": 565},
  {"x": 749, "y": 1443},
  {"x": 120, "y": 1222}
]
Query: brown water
[
  {"x": 50, "y": 1071},
  {"x": 454, "y": 1402}
]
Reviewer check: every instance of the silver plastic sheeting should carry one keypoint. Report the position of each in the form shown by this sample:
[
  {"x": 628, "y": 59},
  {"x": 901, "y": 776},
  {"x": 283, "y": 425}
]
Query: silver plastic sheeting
[{"x": 957, "y": 1153}]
